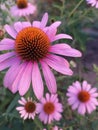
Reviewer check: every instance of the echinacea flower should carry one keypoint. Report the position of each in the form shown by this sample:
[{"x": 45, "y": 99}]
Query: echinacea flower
[
  {"x": 27, "y": 109},
  {"x": 31, "y": 47},
  {"x": 82, "y": 97},
  {"x": 93, "y": 3},
  {"x": 49, "y": 108},
  {"x": 23, "y": 8},
  {"x": 54, "y": 128}
]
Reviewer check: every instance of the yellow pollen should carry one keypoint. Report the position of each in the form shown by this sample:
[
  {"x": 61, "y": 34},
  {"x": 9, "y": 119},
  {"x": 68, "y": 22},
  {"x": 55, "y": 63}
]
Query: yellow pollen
[
  {"x": 22, "y": 4},
  {"x": 30, "y": 107},
  {"x": 49, "y": 108},
  {"x": 32, "y": 44},
  {"x": 83, "y": 96}
]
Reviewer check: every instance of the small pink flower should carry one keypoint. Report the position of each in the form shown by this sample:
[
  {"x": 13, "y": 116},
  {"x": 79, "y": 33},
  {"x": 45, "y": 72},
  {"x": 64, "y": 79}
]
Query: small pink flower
[
  {"x": 49, "y": 109},
  {"x": 54, "y": 128},
  {"x": 23, "y": 8},
  {"x": 82, "y": 97},
  {"x": 93, "y": 3},
  {"x": 27, "y": 108},
  {"x": 31, "y": 48}
]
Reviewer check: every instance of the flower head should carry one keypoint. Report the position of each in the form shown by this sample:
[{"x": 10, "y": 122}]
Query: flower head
[
  {"x": 49, "y": 109},
  {"x": 82, "y": 97},
  {"x": 27, "y": 108},
  {"x": 31, "y": 47},
  {"x": 93, "y": 3},
  {"x": 23, "y": 8}
]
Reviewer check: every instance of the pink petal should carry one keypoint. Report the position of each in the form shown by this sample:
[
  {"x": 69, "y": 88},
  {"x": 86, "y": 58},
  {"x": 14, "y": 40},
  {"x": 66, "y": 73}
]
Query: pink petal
[
  {"x": 55, "y": 24},
  {"x": 85, "y": 86},
  {"x": 18, "y": 26},
  {"x": 65, "y": 50},
  {"x": 59, "y": 64},
  {"x": 39, "y": 107},
  {"x": 94, "y": 94},
  {"x": 75, "y": 105},
  {"x": 94, "y": 101},
  {"x": 50, "y": 118},
  {"x": 7, "y": 44},
  {"x": 10, "y": 30},
  {"x": 9, "y": 76},
  {"x": 44, "y": 21},
  {"x": 26, "y": 116},
  {"x": 73, "y": 90},
  {"x": 51, "y": 33},
  {"x": 5, "y": 56},
  {"x": 61, "y": 36},
  {"x": 57, "y": 116},
  {"x": 25, "y": 80},
  {"x": 37, "y": 81},
  {"x": 17, "y": 78},
  {"x": 23, "y": 99},
  {"x": 72, "y": 100},
  {"x": 77, "y": 85},
  {"x": 82, "y": 109},
  {"x": 89, "y": 107},
  {"x": 36, "y": 24},
  {"x": 93, "y": 90},
  {"x": 49, "y": 78},
  {"x": 6, "y": 63},
  {"x": 26, "y": 24},
  {"x": 47, "y": 97},
  {"x": 21, "y": 102},
  {"x": 19, "y": 108}
]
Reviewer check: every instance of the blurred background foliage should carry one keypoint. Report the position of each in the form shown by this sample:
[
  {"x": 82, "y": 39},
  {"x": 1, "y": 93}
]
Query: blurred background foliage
[{"x": 81, "y": 22}]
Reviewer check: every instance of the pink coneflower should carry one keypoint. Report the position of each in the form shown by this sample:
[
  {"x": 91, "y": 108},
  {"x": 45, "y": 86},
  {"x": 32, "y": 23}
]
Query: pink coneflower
[
  {"x": 49, "y": 109},
  {"x": 31, "y": 46},
  {"x": 27, "y": 108},
  {"x": 82, "y": 97},
  {"x": 54, "y": 128},
  {"x": 23, "y": 8},
  {"x": 93, "y": 3}
]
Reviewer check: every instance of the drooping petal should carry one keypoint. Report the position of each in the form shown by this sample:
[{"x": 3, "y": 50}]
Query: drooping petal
[
  {"x": 9, "y": 76},
  {"x": 61, "y": 36},
  {"x": 6, "y": 56},
  {"x": 82, "y": 109},
  {"x": 17, "y": 78},
  {"x": 65, "y": 50},
  {"x": 59, "y": 64},
  {"x": 7, "y": 44},
  {"x": 49, "y": 78},
  {"x": 25, "y": 80},
  {"x": 89, "y": 107},
  {"x": 37, "y": 81},
  {"x": 6, "y": 63},
  {"x": 10, "y": 30}
]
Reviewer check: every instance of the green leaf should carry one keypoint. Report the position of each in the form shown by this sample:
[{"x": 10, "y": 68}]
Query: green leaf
[{"x": 13, "y": 104}]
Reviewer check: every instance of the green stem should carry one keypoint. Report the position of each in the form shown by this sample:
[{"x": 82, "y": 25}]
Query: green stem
[
  {"x": 63, "y": 7},
  {"x": 73, "y": 11}
]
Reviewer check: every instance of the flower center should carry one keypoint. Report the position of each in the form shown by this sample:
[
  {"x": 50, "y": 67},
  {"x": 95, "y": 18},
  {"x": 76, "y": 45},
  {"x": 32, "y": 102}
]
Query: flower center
[
  {"x": 83, "y": 96},
  {"x": 49, "y": 108},
  {"x": 22, "y": 4},
  {"x": 32, "y": 44},
  {"x": 30, "y": 107}
]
